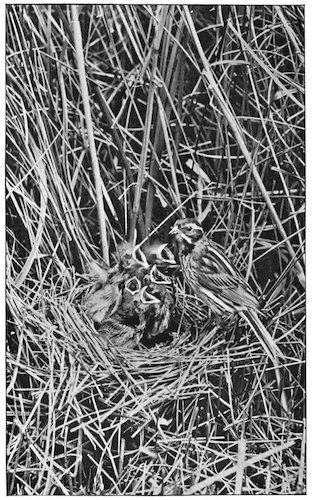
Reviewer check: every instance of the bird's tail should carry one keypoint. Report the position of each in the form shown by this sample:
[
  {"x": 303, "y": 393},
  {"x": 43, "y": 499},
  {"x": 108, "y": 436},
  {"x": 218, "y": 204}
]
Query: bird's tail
[
  {"x": 272, "y": 350},
  {"x": 266, "y": 340}
]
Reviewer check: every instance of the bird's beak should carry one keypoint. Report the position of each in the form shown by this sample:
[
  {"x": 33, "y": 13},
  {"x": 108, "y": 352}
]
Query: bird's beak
[
  {"x": 157, "y": 277},
  {"x": 134, "y": 284},
  {"x": 174, "y": 230},
  {"x": 165, "y": 254},
  {"x": 148, "y": 298},
  {"x": 139, "y": 257}
]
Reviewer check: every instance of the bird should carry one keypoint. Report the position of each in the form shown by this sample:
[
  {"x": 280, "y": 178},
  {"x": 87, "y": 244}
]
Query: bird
[
  {"x": 147, "y": 304},
  {"x": 160, "y": 254},
  {"x": 131, "y": 261},
  {"x": 159, "y": 314},
  {"x": 121, "y": 335},
  {"x": 214, "y": 279},
  {"x": 131, "y": 300},
  {"x": 103, "y": 302}
]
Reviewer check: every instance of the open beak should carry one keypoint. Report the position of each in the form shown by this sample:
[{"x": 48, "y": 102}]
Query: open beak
[
  {"x": 174, "y": 230},
  {"x": 148, "y": 298},
  {"x": 157, "y": 277},
  {"x": 133, "y": 285},
  {"x": 166, "y": 255},
  {"x": 139, "y": 257}
]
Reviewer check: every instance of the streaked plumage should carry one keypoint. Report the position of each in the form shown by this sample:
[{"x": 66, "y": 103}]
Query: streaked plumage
[
  {"x": 208, "y": 270},
  {"x": 216, "y": 281}
]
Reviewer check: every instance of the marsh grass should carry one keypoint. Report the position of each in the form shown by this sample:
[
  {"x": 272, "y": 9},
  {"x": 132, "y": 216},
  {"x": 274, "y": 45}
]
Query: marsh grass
[{"x": 153, "y": 113}]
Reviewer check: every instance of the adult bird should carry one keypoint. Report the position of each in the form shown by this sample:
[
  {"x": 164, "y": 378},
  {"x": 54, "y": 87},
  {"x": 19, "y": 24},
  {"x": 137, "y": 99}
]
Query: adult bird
[{"x": 215, "y": 280}]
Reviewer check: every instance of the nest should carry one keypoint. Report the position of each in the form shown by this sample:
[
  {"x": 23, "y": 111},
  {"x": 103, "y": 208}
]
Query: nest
[{"x": 87, "y": 416}]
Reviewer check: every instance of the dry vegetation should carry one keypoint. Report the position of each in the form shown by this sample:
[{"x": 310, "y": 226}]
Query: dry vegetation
[{"x": 153, "y": 112}]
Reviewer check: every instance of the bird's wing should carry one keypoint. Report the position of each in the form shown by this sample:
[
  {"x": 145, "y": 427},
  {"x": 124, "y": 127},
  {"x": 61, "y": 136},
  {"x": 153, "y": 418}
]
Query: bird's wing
[
  {"x": 219, "y": 280},
  {"x": 212, "y": 256},
  {"x": 217, "y": 273}
]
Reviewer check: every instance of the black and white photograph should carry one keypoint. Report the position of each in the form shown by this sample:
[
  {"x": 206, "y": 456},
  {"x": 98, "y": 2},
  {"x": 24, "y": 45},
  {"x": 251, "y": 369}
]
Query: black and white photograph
[{"x": 155, "y": 249}]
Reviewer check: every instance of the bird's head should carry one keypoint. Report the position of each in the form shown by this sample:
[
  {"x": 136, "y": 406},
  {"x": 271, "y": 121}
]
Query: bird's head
[
  {"x": 131, "y": 259},
  {"x": 159, "y": 254},
  {"x": 187, "y": 231}
]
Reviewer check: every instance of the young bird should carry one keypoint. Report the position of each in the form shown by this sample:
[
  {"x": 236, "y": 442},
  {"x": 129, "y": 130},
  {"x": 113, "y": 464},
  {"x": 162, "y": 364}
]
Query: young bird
[
  {"x": 159, "y": 254},
  {"x": 215, "y": 280},
  {"x": 133, "y": 298},
  {"x": 119, "y": 334}
]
